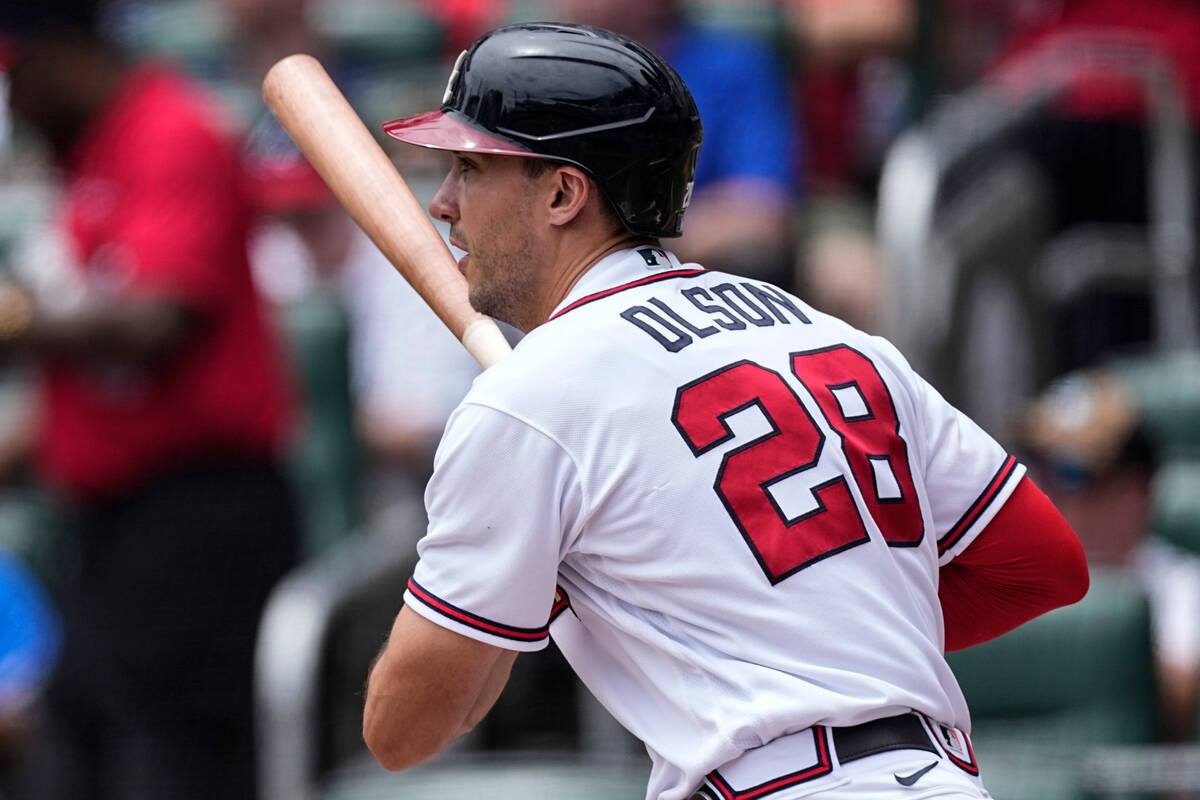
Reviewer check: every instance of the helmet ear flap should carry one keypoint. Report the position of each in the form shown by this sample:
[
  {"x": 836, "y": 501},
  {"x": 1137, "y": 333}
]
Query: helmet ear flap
[{"x": 577, "y": 95}]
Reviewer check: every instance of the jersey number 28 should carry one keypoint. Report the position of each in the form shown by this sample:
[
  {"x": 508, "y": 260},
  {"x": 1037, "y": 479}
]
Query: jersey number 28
[{"x": 857, "y": 404}]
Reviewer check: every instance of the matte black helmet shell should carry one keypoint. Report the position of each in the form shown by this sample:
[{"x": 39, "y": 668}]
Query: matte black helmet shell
[{"x": 578, "y": 95}]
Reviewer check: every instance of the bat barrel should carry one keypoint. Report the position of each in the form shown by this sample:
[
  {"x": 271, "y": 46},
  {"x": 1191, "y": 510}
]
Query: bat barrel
[{"x": 327, "y": 130}]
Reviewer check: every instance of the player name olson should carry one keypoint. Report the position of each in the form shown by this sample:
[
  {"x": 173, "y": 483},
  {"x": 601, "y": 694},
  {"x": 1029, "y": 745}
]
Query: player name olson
[{"x": 704, "y": 312}]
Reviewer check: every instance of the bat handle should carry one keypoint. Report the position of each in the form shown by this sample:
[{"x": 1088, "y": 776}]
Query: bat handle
[{"x": 484, "y": 340}]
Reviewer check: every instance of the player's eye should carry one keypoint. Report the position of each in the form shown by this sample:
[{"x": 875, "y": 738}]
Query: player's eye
[{"x": 463, "y": 165}]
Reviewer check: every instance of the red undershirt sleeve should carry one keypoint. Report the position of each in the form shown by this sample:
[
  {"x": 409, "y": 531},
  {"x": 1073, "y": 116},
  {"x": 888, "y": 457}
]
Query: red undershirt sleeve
[{"x": 1027, "y": 561}]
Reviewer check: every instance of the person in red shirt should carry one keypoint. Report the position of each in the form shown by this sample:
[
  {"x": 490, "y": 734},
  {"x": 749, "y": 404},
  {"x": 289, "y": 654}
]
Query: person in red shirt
[{"x": 164, "y": 404}]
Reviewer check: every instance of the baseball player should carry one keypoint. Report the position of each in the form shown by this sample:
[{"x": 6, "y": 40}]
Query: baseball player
[{"x": 751, "y": 529}]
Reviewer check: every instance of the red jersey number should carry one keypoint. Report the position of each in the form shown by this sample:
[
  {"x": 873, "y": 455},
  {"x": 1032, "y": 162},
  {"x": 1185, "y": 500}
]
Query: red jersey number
[
  {"x": 858, "y": 405},
  {"x": 854, "y": 399}
]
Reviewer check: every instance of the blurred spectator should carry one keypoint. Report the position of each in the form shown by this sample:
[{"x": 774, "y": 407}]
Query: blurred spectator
[
  {"x": 854, "y": 89},
  {"x": 850, "y": 47},
  {"x": 163, "y": 407},
  {"x": 29, "y": 642},
  {"x": 868, "y": 69},
  {"x": 265, "y": 31},
  {"x": 408, "y": 372},
  {"x": 741, "y": 210},
  {"x": 1096, "y": 462}
]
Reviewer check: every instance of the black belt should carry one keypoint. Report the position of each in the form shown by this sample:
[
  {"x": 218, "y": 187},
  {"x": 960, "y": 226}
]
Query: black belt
[{"x": 903, "y": 732}]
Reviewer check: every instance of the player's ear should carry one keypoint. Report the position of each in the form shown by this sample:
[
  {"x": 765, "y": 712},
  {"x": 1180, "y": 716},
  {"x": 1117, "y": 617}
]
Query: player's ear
[{"x": 570, "y": 191}]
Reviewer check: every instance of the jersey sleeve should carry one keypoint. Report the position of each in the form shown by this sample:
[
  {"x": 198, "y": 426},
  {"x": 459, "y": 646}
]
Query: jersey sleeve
[
  {"x": 967, "y": 474},
  {"x": 503, "y": 501}
]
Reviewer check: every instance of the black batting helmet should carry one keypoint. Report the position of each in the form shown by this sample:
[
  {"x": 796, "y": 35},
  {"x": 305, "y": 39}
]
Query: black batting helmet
[{"x": 578, "y": 95}]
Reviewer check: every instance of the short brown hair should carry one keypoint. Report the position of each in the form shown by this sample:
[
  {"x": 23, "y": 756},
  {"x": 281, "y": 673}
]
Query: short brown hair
[{"x": 536, "y": 167}]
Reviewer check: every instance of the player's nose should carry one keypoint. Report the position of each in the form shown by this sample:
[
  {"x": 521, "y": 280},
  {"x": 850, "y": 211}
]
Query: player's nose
[{"x": 443, "y": 206}]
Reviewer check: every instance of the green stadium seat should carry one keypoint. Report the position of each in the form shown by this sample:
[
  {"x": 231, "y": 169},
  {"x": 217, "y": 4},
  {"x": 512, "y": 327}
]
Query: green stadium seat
[
  {"x": 389, "y": 93},
  {"x": 505, "y": 776},
  {"x": 195, "y": 33},
  {"x": 324, "y": 459},
  {"x": 381, "y": 32},
  {"x": 1176, "y": 514},
  {"x": 764, "y": 20},
  {"x": 1166, "y": 388},
  {"x": 29, "y": 528},
  {"x": 1045, "y": 695},
  {"x": 24, "y": 204}
]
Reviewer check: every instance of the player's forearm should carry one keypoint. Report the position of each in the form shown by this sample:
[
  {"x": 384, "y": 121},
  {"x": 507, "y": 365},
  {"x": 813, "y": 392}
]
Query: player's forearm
[
  {"x": 423, "y": 688},
  {"x": 143, "y": 331},
  {"x": 397, "y": 726},
  {"x": 491, "y": 692}
]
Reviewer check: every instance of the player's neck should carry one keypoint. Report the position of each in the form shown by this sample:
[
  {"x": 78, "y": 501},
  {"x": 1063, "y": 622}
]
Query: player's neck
[{"x": 574, "y": 262}]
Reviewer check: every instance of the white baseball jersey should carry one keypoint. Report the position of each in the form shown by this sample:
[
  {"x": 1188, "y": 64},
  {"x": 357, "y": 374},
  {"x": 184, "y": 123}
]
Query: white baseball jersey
[{"x": 726, "y": 507}]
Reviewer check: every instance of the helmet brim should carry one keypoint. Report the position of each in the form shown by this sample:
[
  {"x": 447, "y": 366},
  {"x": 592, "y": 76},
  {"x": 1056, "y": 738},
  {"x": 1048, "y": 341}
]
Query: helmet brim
[{"x": 442, "y": 131}]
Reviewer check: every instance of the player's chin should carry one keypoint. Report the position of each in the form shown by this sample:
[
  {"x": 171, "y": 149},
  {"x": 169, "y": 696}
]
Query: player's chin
[
  {"x": 487, "y": 300},
  {"x": 479, "y": 298}
]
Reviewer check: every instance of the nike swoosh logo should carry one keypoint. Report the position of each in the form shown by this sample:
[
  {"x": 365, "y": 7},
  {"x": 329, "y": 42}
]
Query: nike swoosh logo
[{"x": 909, "y": 780}]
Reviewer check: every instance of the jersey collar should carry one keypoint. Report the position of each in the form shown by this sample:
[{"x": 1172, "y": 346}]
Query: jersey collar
[{"x": 622, "y": 270}]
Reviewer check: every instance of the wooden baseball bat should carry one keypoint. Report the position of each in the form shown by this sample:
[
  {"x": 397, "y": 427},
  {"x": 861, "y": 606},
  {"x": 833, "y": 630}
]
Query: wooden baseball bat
[{"x": 309, "y": 105}]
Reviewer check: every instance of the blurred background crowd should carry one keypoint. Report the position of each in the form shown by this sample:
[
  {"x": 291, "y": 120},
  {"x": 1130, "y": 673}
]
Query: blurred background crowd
[{"x": 213, "y": 388}]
